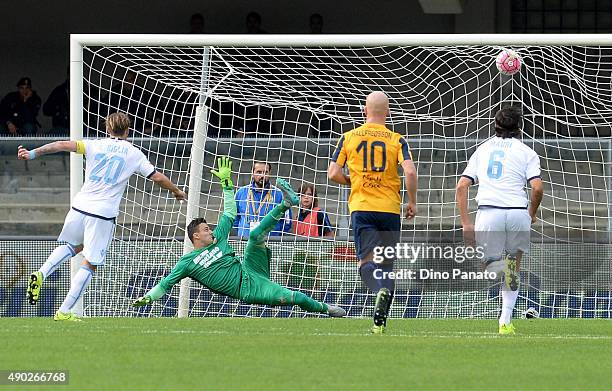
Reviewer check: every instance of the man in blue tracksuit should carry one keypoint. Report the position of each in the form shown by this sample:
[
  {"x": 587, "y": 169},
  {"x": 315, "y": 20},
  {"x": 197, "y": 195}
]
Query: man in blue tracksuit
[{"x": 256, "y": 199}]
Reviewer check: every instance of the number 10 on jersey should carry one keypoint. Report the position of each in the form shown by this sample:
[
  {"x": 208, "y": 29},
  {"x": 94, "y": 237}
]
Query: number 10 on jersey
[{"x": 381, "y": 146}]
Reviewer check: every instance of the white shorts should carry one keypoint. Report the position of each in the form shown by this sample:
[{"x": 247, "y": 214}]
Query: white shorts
[
  {"x": 499, "y": 230},
  {"x": 94, "y": 233}
]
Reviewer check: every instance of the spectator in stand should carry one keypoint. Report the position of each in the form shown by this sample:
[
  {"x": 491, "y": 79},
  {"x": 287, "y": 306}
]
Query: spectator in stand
[
  {"x": 196, "y": 24},
  {"x": 256, "y": 199},
  {"x": 19, "y": 109},
  {"x": 128, "y": 97},
  {"x": 253, "y": 23},
  {"x": 311, "y": 221},
  {"x": 57, "y": 107},
  {"x": 316, "y": 24}
]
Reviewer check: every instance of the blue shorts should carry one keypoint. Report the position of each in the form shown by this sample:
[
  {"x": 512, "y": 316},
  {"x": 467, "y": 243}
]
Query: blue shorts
[{"x": 373, "y": 229}]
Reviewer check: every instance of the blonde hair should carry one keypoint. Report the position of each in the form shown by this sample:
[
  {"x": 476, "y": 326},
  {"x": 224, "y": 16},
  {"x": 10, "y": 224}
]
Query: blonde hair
[{"x": 118, "y": 123}]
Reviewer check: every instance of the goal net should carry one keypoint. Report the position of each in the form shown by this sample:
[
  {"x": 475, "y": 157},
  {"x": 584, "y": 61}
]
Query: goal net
[{"x": 194, "y": 99}]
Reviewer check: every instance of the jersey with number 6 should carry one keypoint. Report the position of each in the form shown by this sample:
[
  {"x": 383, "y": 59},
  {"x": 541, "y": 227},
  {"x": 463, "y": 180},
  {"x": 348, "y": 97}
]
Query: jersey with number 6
[
  {"x": 372, "y": 154},
  {"x": 502, "y": 167},
  {"x": 109, "y": 165}
]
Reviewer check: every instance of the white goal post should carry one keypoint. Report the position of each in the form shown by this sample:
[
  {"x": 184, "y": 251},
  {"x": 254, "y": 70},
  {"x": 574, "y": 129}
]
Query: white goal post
[{"x": 266, "y": 97}]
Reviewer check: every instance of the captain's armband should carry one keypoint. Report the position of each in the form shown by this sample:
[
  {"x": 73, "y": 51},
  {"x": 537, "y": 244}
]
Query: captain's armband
[{"x": 80, "y": 147}]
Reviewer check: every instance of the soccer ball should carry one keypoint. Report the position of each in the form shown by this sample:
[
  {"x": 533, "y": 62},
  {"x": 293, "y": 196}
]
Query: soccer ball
[
  {"x": 508, "y": 62},
  {"x": 530, "y": 313}
]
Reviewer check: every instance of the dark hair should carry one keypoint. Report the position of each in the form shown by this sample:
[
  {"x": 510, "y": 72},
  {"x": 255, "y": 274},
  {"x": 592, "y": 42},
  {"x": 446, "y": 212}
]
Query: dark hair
[
  {"x": 305, "y": 186},
  {"x": 261, "y": 162},
  {"x": 316, "y": 16},
  {"x": 255, "y": 16},
  {"x": 193, "y": 226},
  {"x": 507, "y": 122},
  {"x": 198, "y": 16}
]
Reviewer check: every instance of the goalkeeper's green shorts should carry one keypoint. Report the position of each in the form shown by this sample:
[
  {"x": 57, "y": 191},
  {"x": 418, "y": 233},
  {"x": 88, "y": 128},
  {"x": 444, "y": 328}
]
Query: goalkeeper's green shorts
[{"x": 256, "y": 287}]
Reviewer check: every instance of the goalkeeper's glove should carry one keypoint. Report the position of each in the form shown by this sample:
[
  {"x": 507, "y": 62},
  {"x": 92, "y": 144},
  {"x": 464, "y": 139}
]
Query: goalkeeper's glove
[
  {"x": 224, "y": 172},
  {"x": 144, "y": 300}
]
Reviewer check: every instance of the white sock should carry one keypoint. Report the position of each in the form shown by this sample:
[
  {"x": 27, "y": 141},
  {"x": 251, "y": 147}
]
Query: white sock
[
  {"x": 508, "y": 302},
  {"x": 60, "y": 255},
  {"x": 79, "y": 283}
]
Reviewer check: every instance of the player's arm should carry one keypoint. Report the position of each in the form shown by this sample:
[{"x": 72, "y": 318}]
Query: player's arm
[
  {"x": 410, "y": 177},
  {"x": 54, "y": 147},
  {"x": 461, "y": 196},
  {"x": 178, "y": 273},
  {"x": 468, "y": 178},
  {"x": 533, "y": 175},
  {"x": 334, "y": 172},
  {"x": 165, "y": 182},
  {"x": 224, "y": 174},
  {"x": 537, "y": 192}
]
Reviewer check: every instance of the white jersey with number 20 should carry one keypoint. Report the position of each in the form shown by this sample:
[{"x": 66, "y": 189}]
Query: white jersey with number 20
[
  {"x": 109, "y": 165},
  {"x": 502, "y": 167}
]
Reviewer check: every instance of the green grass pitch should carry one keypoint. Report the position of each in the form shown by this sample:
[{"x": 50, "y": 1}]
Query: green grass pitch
[{"x": 318, "y": 354}]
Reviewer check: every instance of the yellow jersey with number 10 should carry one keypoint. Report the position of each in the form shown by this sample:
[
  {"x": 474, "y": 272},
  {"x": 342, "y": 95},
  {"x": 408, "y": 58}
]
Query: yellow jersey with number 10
[{"x": 372, "y": 153}]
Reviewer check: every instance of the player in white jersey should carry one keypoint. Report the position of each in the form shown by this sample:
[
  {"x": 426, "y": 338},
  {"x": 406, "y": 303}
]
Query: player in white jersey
[
  {"x": 502, "y": 166},
  {"x": 90, "y": 223}
]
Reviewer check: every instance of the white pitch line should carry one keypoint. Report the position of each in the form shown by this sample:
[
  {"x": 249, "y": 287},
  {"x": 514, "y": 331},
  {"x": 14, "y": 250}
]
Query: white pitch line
[{"x": 281, "y": 332}]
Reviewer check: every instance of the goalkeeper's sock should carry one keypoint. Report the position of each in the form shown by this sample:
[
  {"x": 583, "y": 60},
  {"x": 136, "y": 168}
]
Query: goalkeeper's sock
[
  {"x": 268, "y": 223},
  {"x": 508, "y": 302},
  {"x": 79, "y": 283},
  {"x": 366, "y": 272},
  {"x": 60, "y": 255},
  {"x": 307, "y": 303}
]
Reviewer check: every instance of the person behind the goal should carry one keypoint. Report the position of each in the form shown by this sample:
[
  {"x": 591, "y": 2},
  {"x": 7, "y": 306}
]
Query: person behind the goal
[
  {"x": 90, "y": 223},
  {"x": 502, "y": 166},
  {"x": 214, "y": 264}
]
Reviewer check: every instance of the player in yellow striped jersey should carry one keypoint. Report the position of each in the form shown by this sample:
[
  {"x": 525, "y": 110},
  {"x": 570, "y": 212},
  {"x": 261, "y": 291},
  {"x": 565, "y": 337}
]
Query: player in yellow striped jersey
[{"x": 372, "y": 153}]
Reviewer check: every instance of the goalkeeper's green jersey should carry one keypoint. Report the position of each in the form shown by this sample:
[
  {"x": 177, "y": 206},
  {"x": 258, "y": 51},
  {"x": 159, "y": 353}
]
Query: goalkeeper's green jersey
[{"x": 216, "y": 267}]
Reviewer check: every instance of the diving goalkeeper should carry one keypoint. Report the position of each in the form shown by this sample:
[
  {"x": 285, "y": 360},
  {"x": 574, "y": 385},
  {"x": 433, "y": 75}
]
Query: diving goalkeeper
[{"x": 214, "y": 264}]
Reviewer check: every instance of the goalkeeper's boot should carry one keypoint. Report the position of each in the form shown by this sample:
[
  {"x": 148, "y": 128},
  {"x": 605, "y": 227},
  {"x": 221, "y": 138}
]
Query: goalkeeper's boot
[
  {"x": 511, "y": 274},
  {"x": 507, "y": 329},
  {"x": 290, "y": 197},
  {"x": 335, "y": 311},
  {"x": 381, "y": 309},
  {"x": 34, "y": 284},
  {"x": 69, "y": 316}
]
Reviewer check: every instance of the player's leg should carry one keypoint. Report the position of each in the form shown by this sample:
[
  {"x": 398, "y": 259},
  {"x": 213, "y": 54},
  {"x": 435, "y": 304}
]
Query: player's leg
[
  {"x": 97, "y": 237},
  {"x": 489, "y": 229},
  {"x": 518, "y": 224},
  {"x": 256, "y": 254},
  {"x": 257, "y": 289},
  {"x": 366, "y": 238},
  {"x": 79, "y": 282},
  {"x": 290, "y": 198},
  {"x": 72, "y": 233},
  {"x": 389, "y": 226}
]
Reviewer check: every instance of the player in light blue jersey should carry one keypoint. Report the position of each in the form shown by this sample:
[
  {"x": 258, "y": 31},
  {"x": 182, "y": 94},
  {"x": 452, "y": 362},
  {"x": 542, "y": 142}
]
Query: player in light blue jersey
[
  {"x": 502, "y": 166},
  {"x": 90, "y": 223}
]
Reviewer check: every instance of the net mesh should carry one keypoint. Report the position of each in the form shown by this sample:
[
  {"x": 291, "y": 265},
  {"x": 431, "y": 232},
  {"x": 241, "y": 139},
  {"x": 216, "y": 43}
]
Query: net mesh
[{"x": 288, "y": 106}]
